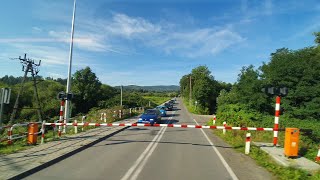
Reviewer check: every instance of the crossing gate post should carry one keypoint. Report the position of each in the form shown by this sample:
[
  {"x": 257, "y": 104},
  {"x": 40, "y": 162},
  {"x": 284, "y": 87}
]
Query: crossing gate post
[
  {"x": 248, "y": 140},
  {"x": 224, "y": 129},
  {"x": 276, "y": 121},
  {"x": 214, "y": 120},
  {"x": 42, "y": 131},
  {"x": 61, "y": 116},
  {"x": 10, "y": 135},
  {"x": 83, "y": 118},
  {"x": 75, "y": 126}
]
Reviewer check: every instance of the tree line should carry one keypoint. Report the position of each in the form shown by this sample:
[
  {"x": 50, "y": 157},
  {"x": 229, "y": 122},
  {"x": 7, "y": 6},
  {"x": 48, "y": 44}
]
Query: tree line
[
  {"x": 299, "y": 70},
  {"x": 88, "y": 92}
]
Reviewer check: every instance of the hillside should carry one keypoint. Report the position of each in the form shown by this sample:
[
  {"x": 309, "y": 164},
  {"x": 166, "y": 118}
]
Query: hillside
[{"x": 160, "y": 88}]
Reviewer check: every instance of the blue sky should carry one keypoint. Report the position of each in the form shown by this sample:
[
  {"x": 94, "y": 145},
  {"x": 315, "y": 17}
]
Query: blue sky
[{"x": 152, "y": 42}]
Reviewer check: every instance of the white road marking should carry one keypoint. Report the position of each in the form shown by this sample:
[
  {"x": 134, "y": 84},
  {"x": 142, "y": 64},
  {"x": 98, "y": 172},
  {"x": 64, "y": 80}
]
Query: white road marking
[
  {"x": 233, "y": 176},
  {"x": 137, "y": 162},
  {"x": 145, "y": 155},
  {"x": 137, "y": 172}
]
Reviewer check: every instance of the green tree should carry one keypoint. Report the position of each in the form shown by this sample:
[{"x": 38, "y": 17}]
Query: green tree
[{"x": 87, "y": 89}]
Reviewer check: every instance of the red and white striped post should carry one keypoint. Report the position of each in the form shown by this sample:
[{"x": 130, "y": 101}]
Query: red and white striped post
[
  {"x": 9, "y": 135},
  {"x": 318, "y": 155},
  {"x": 214, "y": 120},
  {"x": 75, "y": 126},
  {"x": 61, "y": 116},
  {"x": 43, "y": 126},
  {"x": 276, "y": 121},
  {"x": 248, "y": 140},
  {"x": 224, "y": 125}
]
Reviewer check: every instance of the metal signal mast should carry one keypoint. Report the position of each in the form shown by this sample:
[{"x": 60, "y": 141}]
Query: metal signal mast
[{"x": 28, "y": 65}]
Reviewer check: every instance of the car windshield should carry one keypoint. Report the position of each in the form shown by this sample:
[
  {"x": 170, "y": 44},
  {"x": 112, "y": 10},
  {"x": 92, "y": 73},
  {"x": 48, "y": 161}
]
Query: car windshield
[{"x": 150, "y": 111}]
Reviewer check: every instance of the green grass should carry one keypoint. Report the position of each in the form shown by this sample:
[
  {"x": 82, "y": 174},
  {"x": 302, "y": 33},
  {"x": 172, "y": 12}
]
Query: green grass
[
  {"x": 157, "y": 99},
  {"x": 237, "y": 140}
]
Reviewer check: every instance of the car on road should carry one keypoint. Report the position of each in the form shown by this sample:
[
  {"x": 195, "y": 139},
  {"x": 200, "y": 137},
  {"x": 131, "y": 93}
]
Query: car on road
[
  {"x": 150, "y": 116},
  {"x": 168, "y": 106},
  {"x": 162, "y": 110}
]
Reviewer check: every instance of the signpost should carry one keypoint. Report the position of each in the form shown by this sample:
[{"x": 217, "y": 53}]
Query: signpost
[{"x": 4, "y": 99}]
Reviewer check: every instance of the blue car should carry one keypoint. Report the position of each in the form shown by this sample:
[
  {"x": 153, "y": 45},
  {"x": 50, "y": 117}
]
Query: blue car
[
  {"x": 150, "y": 116},
  {"x": 162, "y": 110}
]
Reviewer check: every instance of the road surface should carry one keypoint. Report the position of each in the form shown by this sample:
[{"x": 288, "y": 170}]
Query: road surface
[{"x": 155, "y": 153}]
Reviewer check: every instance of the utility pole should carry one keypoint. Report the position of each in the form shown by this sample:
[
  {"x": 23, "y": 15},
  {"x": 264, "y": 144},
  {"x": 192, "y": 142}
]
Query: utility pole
[
  {"x": 121, "y": 95},
  {"x": 68, "y": 102},
  {"x": 190, "y": 93},
  {"x": 28, "y": 65}
]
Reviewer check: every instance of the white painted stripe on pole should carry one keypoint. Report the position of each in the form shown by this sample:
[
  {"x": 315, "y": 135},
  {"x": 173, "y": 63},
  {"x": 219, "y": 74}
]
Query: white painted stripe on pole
[
  {"x": 318, "y": 153},
  {"x": 176, "y": 125},
  {"x": 224, "y": 129},
  {"x": 140, "y": 124},
  {"x": 275, "y": 133},
  {"x": 225, "y": 164},
  {"x": 247, "y": 148},
  {"x": 277, "y": 107},
  {"x": 236, "y": 128},
  {"x": 276, "y": 120},
  {"x": 140, "y": 158},
  {"x": 163, "y": 125},
  {"x": 205, "y": 127},
  {"x": 191, "y": 126}
]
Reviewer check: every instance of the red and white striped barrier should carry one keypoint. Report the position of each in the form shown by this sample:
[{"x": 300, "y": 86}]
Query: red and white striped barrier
[
  {"x": 276, "y": 120},
  {"x": 318, "y": 156},
  {"x": 224, "y": 125},
  {"x": 248, "y": 140},
  {"x": 214, "y": 120},
  {"x": 164, "y": 125}
]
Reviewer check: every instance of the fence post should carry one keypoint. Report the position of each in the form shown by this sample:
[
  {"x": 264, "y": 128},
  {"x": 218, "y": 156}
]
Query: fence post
[
  {"x": 42, "y": 131},
  {"x": 75, "y": 124},
  {"x": 101, "y": 116},
  {"x": 224, "y": 129},
  {"x": 248, "y": 140},
  {"x": 276, "y": 121},
  {"x": 105, "y": 117},
  {"x": 318, "y": 155},
  {"x": 214, "y": 120}
]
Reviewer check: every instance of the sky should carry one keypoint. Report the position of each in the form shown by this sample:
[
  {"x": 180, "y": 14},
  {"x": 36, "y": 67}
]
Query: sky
[{"x": 152, "y": 42}]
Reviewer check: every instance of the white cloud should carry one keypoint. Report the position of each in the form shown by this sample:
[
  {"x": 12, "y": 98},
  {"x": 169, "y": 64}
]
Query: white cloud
[
  {"x": 128, "y": 27},
  {"x": 36, "y": 29}
]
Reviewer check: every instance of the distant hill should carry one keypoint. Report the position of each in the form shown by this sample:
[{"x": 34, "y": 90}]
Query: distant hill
[{"x": 160, "y": 88}]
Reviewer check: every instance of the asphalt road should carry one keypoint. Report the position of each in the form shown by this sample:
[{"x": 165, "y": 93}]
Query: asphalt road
[{"x": 146, "y": 153}]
